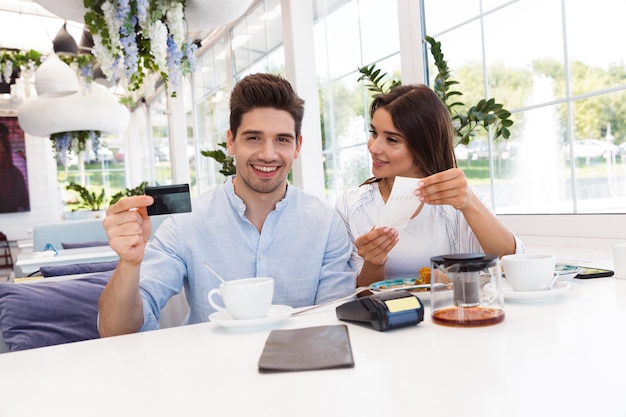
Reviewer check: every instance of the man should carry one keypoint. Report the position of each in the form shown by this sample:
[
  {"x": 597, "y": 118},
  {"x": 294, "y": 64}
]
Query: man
[{"x": 256, "y": 224}]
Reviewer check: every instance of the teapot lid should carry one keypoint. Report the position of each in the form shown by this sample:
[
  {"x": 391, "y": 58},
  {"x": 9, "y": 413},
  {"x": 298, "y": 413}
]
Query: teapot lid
[{"x": 466, "y": 261}]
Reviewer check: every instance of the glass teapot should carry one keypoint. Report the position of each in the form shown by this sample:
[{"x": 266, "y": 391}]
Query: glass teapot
[{"x": 466, "y": 290}]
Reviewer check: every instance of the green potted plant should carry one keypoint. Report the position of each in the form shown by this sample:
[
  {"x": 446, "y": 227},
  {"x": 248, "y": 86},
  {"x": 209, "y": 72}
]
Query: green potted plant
[
  {"x": 138, "y": 190},
  {"x": 90, "y": 201},
  {"x": 487, "y": 113}
]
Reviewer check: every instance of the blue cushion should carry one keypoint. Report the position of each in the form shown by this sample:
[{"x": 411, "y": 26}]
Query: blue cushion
[
  {"x": 87, "y": 268},
  {"x": 50, "y": 312},
  {"x": 90, "y": 244}
]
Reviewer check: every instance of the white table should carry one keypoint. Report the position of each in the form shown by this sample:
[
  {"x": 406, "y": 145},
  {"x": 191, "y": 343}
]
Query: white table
[
  {"x": 25, "y": 244},
  {"x": 566, "y": 357},
  {"x": 29, "y": 262}
]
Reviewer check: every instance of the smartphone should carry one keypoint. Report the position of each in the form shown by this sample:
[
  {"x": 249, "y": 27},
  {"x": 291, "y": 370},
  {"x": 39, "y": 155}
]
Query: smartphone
[
  {"x": 169, "y": 199},
  {"x": 587, "y": 272}
]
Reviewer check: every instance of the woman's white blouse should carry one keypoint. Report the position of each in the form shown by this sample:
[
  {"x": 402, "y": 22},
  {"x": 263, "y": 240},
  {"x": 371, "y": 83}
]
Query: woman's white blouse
[{"x": 436, "y": 230}]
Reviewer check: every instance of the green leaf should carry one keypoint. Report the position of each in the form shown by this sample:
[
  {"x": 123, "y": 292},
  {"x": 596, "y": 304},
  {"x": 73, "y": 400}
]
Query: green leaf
[
  {"x": 503, "y": 114},
  {"x": 87, "y": 199},
  {"x": 490, "y": 119},
  {"x": 485, "y": 113},
  {"x": 227, "y": 161}
]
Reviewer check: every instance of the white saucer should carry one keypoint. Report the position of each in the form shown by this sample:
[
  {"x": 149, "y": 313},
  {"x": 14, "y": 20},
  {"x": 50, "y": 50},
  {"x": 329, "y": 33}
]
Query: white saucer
[
  {"x": 513, "y": 296},
  {"x": 275, "y": 314}
]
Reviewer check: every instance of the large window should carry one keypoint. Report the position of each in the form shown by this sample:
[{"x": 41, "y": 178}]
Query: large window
[
  {"x": 96, "y": 170},
  {"x": 257, "y": 41},
  {"x": 252, "y": 45},
  {"x": 160, "y": 140},
  {"x": 211, "y": 86},
  {"x": 565, "y": 88},
  {"x": 564, "y": 82},
  {"x": 368, "y": 34}
]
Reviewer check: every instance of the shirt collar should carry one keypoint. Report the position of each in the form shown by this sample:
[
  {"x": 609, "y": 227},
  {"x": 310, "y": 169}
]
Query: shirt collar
[{"x": 240, "y": 205}]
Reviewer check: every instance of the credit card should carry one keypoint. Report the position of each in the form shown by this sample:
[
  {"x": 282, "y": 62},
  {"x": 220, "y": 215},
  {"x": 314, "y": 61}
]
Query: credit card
[{"x": 169, "y": 199}]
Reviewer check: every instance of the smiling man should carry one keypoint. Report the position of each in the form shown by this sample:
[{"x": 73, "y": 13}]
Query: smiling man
[{"x": 255, "y": 224}]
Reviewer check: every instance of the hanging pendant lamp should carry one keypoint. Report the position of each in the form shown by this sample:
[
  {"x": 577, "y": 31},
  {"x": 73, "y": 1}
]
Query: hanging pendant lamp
[
  {"x": 54, "y": 78},
  {"x": 64, "y": 43},
  {"x": 86, "y": 43},
  {"x": 96, "y": 109}
]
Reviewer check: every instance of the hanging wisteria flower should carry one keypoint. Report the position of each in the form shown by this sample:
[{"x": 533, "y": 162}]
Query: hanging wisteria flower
[
  {"x": 190, "y": 50},
  {"x": 142, "y": 13},
  {"x": 174, "y": 57},
  {"x": 86, "y": 71},
  {"x": 175, "y": 22},
  {"x": 144, "y": 36},
  {"x": 84, "y": 65},
  {"x": 21, "y": 62},
  {"x": 63, "y": 143},
  {"x": 158, "y": 35},
  {"x": 7, "y": 71},
  {"x": 131, "y": 59},
  {"x": 111, "y": 37}
]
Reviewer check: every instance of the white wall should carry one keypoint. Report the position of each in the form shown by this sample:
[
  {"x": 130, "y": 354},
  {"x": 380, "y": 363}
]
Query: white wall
[
  {"x": 45, "y": 201},
  {"x": 599, "y": 231}
]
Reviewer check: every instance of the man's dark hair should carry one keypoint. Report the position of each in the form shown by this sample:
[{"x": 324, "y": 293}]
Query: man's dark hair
[{"x": 264, "y": 90}]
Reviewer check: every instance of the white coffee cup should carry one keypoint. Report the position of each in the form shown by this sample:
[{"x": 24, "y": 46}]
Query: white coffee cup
[
  {"x": 619, "y": 260},
  {"x": 529, "y": 271},
  {"x": 246, "y": 298}
]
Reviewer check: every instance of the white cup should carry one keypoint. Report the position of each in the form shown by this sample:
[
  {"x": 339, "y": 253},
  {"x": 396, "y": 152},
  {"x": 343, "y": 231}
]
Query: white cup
[
  {"x": 528, "y": 271},
  {"x": 246, "y": 298},
  {"x": 619, "y": 260}
]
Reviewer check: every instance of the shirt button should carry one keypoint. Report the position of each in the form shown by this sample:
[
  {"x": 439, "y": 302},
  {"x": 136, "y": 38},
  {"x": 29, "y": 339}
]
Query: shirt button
[{"x": 261, "y": 257}]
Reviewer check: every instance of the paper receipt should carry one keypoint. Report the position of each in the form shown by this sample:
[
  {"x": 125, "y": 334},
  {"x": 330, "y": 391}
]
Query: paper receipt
[{"x": 401, "y": 205}]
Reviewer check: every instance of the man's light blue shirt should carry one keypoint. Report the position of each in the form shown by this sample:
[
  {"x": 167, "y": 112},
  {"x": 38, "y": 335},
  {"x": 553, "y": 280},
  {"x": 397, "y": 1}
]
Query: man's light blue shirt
[{"x": 303, "y": 245}]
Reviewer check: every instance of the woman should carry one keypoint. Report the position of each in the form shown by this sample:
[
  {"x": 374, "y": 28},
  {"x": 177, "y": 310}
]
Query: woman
[
  {"x": 13, "y": 192},
  {"x": 412, "y": 136}
]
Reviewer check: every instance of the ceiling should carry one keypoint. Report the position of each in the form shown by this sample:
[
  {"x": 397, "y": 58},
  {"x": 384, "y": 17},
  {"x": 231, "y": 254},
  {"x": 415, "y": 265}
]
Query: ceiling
[
  {"x": 25, "y": 25},
  {"x": 28, "y": 24}
]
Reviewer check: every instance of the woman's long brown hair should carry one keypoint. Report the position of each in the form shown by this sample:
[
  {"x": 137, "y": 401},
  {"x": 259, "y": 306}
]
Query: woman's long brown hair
[{"x": 424, "y": 121}]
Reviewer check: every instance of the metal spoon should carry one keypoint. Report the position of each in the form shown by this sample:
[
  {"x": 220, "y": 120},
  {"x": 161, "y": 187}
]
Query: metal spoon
[
  {"x": 549, "y": 287},
  {"x": 347, "y": 297},
  {"x": 213, "y": 272}
]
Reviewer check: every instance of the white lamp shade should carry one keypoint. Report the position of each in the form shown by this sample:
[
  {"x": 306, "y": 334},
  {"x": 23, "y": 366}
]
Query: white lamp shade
[
  {"x": 209, "y": 14},
  {"x": 96, "y": 109},
  {"x": 200, "y": 14},
  {"x": 54, "y": 78}
]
